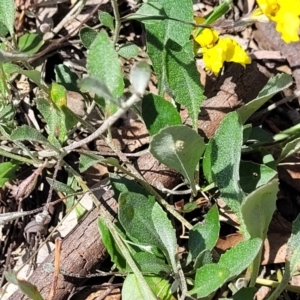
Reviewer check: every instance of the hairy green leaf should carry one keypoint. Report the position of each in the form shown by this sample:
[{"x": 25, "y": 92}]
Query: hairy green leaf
[
  {"x": 180, "y": 148},
  {"x": 7, "y": 14},
  {"x": 103, "y": 63},
  {"x": 274, "y": 85},
  {"x": 239, "y": 257},
  {"x": 254, "y": 175},
  {"x": 204, "y": 236},
  {"x": 260, "y": 206},
  {"x": 158, "y": 113},
  {"x": 87, "y": 36},
  {"x": 30, "y": 43}
]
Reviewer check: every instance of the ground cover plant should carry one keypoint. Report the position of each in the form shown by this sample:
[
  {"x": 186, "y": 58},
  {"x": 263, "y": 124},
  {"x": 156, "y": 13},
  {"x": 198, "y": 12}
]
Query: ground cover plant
[{"x": 178, "y": 138}]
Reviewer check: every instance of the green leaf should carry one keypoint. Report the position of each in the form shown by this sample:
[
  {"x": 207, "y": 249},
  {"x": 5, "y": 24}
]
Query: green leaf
[
  {"x": 293, "y": 249},
  {"x": 180, "y": 148},
  {"x": 225, "y": 160},
  {"x": 26, "y": 287},
  {"x": 161, "y": 287},
  {"x": 158, "y": 113},
  {"x": 135, "y": 215},
  {"x": 7, "y": 113},
  {"x": 11, "y": 68},
  {"x": 273, "y": 86},
  {"x": 111, "y": 246},
  {"x": 149, "y": 263},
  {"x": 7, "y": 171},
  {"x": 27, "y": 133},
  {"x": 166, "y": 232},
  {"x": 58, "y": 95},
  {"x": 128, "y": 50},
  {"x": 204, "y": 236},
  {"x": 66, "y": 77},
  {"x": 292, "y": 264},
  {"x": 55, "y": 120},
  {"x": 97, "y": 86},
  {"x": 257, "y": 134},
  {"x": 258, "y": 208},
  {"x": 7, "y": 14},
  {"x": 204, "y": 258},
  {"x": 106, "y": 20},
  {"x": 254, "y": 175},
  {"x": 208, "y": 279},
  {"x": 289, "y": 149},
  {"x": 207, "y": 161},
  {"x": 87, "y": 160},
  {"x": 3, "y": 30},
  {"x": 61, "y": 187},
  {"x": 122, "y": 184},
  {"x": 30, "y": 43},
  {"x": 87, "y": 36},
  {"x": 103, "y": 63},
  {"x": 244, "y": 294},
  {"x": 183, "y": 78},
  {"x": 239, "y": 257},
  {"x": 160, "y": 32},
  {"x": 132, "y": 289}
]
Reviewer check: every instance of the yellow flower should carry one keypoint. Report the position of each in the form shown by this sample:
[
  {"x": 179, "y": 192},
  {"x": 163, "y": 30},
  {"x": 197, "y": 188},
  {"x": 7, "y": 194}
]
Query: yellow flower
[
  {"x": 216, "y": 50},
  {"x": 207, "y": 38},
  {"x": 286, "y": 15}
]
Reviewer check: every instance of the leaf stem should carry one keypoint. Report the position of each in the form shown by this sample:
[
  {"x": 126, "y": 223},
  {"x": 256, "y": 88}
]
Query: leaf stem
[{"x": 114, "y": 5}]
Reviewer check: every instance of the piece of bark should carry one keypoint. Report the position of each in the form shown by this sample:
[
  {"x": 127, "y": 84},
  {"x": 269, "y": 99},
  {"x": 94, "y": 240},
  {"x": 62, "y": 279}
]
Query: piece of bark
[
  {"x": 268, "y": 34},
  {"x": 156, "y": 173},
  {"x": 82, "y": 252},
  {"x": 237, "y": 86}
]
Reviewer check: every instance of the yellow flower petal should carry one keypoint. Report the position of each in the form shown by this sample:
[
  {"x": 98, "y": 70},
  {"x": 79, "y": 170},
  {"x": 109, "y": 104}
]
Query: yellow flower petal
[
  {"x": 285, "y": 14},
  {"x": 216, "y": 50},
  {"x": 207, "y": 38},
  {"x": 235, "y": 53},
  {"x": 269, "y": 7},
  {"x": 288, "y": 25},
  {"x": 214, "y": 58}
]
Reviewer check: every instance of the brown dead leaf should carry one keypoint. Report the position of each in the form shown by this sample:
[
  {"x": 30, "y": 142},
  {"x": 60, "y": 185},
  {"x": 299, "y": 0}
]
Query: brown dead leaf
[
  {"x": 262, "y": 292},
  {"x": 94, "y": 174},
  {"x": 226, "y": 242},
  {"x": 134, "y": 134},
  {"x": 155, "y": 172},
  {"x": 289, "y": 171},
  {"x": 275, "y": 244},
  {"x": 274, "y": 248},
  {"x": 227, "y": 215},
  {"x": 115, "y": 294},
  {"x": 295, "y": 280}
]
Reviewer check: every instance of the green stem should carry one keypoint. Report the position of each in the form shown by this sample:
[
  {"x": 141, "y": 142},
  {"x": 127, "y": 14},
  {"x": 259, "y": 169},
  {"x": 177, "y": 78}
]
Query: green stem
[
  {"x": 254, "y": 268},
  {"x": 274, "y": 284},
  {"x": 216, "y": 14},
  {"x": 114, "y": 5},
  {"x": 283, "y": 284},
  {"x": 18, "y": 157}
]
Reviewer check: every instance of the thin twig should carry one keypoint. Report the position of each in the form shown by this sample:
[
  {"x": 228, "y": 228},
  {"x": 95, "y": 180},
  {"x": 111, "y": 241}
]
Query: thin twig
[
  {"x": 58, "y": 242},
  {"x": 106, "y": 124},
  {"x": 73, "y": 13},
  {"x": 275, "y": 105}
]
